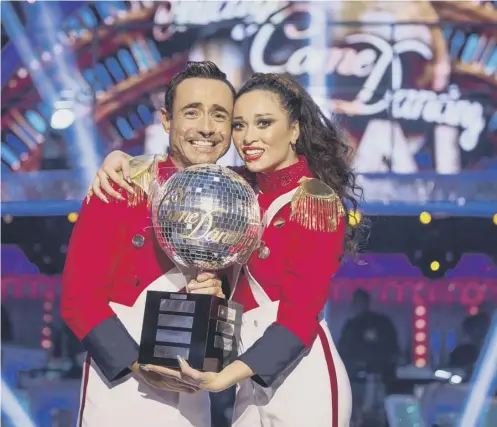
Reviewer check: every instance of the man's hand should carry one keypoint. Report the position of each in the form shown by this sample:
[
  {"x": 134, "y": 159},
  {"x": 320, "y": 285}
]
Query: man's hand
[
  {"x": 163, "y": 378},
  {"x": 207, "y": 284}
]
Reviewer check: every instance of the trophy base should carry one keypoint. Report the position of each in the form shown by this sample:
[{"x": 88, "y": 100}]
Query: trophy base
[{"x": 202, "y": 329}]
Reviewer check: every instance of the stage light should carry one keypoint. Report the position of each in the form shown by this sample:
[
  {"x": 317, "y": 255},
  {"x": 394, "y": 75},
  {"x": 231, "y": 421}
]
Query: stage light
[
  {"x": 62, "y": 118},
  {"x": 420, "y": 350},
  {"x": 494, "y": 219},
  {"x": 420, "y": 323},
  {"x": 420, "y": 336},
  {"x": 442, "y": 374},
  {"x": 8, "y": 219},
  {"x": 354, "y": 218},
  {"x": 420, "y": 310},
  {"x": 451, "y": 377},
  {"x": 420, "y": 363},
  {"x": 425, "y": 218},
  {"x": 473, "y": 310},
  {"x": 434, "y": 266},
  {"x": 64, "y": 109},
  {"x": 72, "y": 217},
  {"x": 455, "y": 379}
]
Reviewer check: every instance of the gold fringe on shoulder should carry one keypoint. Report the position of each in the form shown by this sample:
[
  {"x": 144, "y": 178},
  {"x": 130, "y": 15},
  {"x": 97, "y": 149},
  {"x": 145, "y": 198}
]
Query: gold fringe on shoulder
[
  {"x": 143, "y": 170},
  {"x": 89, "y": 194},
  {"x": 316, "y": 206}
]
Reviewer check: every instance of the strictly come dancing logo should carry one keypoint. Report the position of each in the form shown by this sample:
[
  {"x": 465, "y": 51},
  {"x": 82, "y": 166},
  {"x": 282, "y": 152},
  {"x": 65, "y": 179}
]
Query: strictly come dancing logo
[{"x": 368, "y": 58}]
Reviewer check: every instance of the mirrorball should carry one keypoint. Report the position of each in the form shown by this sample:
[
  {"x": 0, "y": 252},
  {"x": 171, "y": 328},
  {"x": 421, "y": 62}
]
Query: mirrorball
[{"x": 207, "y": 217}]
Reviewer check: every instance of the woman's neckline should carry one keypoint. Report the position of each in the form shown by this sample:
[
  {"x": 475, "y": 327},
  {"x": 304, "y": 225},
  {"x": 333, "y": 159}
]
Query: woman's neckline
[{"x": 283, "y": 178}]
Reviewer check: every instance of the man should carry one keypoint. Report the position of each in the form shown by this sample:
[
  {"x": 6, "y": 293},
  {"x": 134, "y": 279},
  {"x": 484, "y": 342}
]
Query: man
[
  {"x": 113, "y": 259},
  {"x": 465, "y": 355},
  {"x": 369, "y": 348}
]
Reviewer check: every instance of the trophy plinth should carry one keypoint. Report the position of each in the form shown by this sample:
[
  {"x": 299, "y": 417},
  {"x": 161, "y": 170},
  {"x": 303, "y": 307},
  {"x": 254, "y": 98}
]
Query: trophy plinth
[{"x": 202, "y": 329}]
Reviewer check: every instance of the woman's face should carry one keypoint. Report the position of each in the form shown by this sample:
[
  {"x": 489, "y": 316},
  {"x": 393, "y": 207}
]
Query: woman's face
[{"x": 262, "y": 132}]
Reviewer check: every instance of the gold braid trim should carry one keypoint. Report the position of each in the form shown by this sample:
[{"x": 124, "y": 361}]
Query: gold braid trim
[
  {"x": 143, "y": 171},
  {"x": 316, "y": 206}
]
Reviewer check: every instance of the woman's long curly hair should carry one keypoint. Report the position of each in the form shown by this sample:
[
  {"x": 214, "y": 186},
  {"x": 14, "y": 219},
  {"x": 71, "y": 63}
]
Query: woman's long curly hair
[{"x": 320, "y": 141}]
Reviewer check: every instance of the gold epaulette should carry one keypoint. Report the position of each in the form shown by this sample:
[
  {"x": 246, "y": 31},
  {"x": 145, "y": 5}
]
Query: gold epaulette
[
  {"x": 316, "y": 206},
  {"x": 143, "y": 170}
]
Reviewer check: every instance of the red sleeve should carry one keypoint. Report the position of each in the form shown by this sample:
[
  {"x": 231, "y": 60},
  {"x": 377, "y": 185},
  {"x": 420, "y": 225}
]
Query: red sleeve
[
  {"x": 91, "y": 260},
  {"x": 312, "y": 258}
]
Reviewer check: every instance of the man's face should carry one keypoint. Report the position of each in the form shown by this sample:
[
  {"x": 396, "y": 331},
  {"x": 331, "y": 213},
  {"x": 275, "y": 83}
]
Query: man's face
[{"x": 200, "y": 128}]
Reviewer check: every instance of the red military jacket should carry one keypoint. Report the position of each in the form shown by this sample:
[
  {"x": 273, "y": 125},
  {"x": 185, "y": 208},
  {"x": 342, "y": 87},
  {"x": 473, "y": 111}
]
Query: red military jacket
[
  {"x": 112, "y": 257},
  {"x": 105, "y": 264},
  {"x": 304, "y": 245}
]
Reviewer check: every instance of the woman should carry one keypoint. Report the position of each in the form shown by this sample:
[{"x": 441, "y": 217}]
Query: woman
[{"x": 303, "y": 179}]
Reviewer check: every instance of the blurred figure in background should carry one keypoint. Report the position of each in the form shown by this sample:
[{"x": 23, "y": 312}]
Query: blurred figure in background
[
  {"x": 369, "y": 347},
  {"x": 67, "y": 348},
  {"x": 7, "y": 334},
  {"x": 475, "y": 329}
]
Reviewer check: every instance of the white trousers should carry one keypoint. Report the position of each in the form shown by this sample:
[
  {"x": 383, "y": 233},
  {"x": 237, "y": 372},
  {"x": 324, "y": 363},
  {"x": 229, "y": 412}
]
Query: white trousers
[
  {"x": 314, "y": 392},
  {"x": 131, "y": 403}
]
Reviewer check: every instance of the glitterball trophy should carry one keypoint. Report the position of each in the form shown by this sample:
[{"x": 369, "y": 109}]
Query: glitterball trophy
[{"x": 205, "y": 217}]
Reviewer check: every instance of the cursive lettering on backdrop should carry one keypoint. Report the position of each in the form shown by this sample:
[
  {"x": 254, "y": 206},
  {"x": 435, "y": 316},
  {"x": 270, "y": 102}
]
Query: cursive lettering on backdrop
[{"x": 375, "y": 60}]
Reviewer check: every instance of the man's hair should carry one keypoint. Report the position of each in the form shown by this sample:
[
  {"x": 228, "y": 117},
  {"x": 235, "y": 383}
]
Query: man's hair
[{"x": 202, "y": 70}]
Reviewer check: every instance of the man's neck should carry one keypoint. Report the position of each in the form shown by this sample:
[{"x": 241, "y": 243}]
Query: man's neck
[{"x": 177, "y": 164}]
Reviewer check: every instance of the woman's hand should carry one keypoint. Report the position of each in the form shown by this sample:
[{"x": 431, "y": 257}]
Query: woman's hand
[
  {"x": 167, "y": 379},
  {"x": 115, "y": 167},
  {"x": 212, "y": 381},
  {"x": 209, "y": 381},
  {"x": 206, "y": 284}
]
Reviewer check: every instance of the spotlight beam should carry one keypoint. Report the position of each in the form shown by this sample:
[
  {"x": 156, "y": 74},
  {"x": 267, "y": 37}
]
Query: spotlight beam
[
  {"x": 13, "y": 409},
  {"x": 22, "y": 44}
]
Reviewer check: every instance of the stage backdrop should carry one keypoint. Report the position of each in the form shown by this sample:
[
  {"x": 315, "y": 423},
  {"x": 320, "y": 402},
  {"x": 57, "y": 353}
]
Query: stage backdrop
[{"x": 412, "y": 84}]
